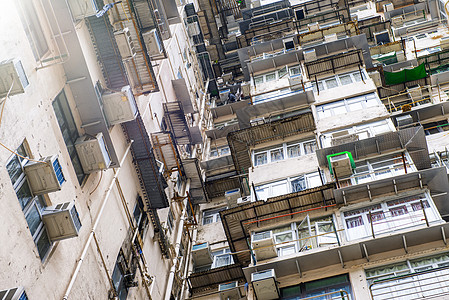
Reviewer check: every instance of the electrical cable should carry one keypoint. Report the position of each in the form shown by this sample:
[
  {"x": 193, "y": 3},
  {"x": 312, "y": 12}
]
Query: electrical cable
[{"x": 101, "y": 176}]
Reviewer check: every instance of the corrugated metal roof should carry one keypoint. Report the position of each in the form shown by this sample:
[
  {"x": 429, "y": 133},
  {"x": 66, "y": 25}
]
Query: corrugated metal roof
[
  {"x": 151, "y": 181},
  {"x": 240, "y": 141},
  {"x": 333, "y": 63},
  {"x": 234, "y": 219},
  {"x": 217, "y": 188},
  {"x": 207, "y": 280},
  {"x": 108, "y": 55}
]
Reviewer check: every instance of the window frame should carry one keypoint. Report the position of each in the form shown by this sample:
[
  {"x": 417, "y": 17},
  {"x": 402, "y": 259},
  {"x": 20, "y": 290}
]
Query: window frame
[
  {"x": 212, "y": 213},
  {"x": 335, "y": 108},
  {"x": 284, "y": 147},
  {"x": 322, "y": 83}
]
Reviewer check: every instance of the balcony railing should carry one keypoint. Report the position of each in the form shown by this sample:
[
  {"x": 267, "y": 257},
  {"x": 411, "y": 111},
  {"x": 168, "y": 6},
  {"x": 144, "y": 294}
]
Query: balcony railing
[{"x": 429, "y": 284}]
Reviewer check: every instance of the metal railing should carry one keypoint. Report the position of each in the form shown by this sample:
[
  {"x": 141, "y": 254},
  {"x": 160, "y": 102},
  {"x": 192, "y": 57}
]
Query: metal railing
[{"x": 429, "y": 284}]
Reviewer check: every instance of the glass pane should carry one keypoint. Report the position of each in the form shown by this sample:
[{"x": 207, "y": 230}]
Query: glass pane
[
  {"x": 43, "y": 244},
  {"x": 339, "y": 110},
  {"x": 14, "y": 169},
  {"x": 398, "y": 211},
  {"x": 357, "y": 76},
  {"x": 331, "y": 83},
  {"x": 313, "y": 180},
  {"x": 345, "y": 79},
  {"x": 294, "y": 151},
  {"x": 354, "y": 222},
  {"x": 295, "y": 71},
  {"x": 260, "y": 158},
  {"x": 276, "y": 155},
  {"x": 283, "y": 72},
  {"x": 354, "y": 105},
  {"x": 270, "y": 77},
  {"x": 24, "y": 195},
  {"x": 279, "y": 189},
  {"x": 284, "y": 237},
  {"x": 262, "y": 193},
  {"x": 310, "y": 147},
  {"x": 33, "y": 219},
  {"x": 298, "y": 184},
  {"x": 258, "y": 79}
]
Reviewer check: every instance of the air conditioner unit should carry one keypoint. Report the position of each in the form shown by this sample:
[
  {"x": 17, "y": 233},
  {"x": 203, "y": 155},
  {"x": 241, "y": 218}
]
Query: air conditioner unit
[
  {"x": 81, "y": 9},
  {"x": 397, "y": 21},
  {"x": 193, "y": 29},
  {"x": 46, "y": 176},
  {"x": 11, "y": 71},
  {"x": 201, "y": 254},
  {"x": 404, "y": 120},
  {"x": 263, "y": 245},
  {"x": 232, "y": 195},
  {"x": 93, "y": 154},
  {"x": 313, "y": 26},
  {"x": 125, "y": 43},
  {"x": 415, "y": 93},
  {"x": 61, "y": 221},
  {"x": 257, "y": 121},
  {"x": 349, "y": 138},
  {"x": 229, "y": 291},
  {"x": 152, "y": 42},
  {"x": 295, "y": 82},
  {"x": 265, "y": 285},
  {"x": 246, "y": 89},
  {"x": 227, "y": 77},
  {"x": 309, "y": 55},
  {"x": 119, "y": 107},
  {"x": 400, "y": 56},
  {"x": 444, "y": 43},
  {"x": 17, "y": 293},
  {"x": 382, "y": 37},
  {"x": 289, "y": 44},
  {"x": 341, "y": 164},
  {"x": 255, "y": 3},
  {"x": 224, "y": 94},
  {"x": 330, "y": 38},
  {"x": 243, "y": 200},
  {"x": 375, "y": 76},
  {"x": 388, "y": 7},
  {"x": 300, "y": 14}
]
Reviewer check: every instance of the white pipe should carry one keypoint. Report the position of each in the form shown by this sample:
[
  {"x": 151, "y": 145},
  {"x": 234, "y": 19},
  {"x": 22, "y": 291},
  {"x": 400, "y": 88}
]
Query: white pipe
[
  {"x": 97, "y": 220},
  {"x": 171, "y": 276},
  {"x": 187, "y": 265}
]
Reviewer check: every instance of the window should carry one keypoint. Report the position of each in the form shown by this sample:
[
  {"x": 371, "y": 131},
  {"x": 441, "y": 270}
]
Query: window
[
  {"x": 276, "y": 75},
  {"x": 347, "y": 105},
  {"x": 284, "y": 151},
  {"x": 288, "y": 185},
  {"x": 356, "y": 133},
  {"x": 33, "y": 28},
  {"x": 140, "y": 216},
  {"x": 431, "y": 284},
  {"x": 69, "y": 132},
  {"x": 330, "y": 286},
  {"x": 219, "y": 151},
  {"x": 170, "y": 223},
  {"x": 118, "y": 277},
  {"x": 31, "y": 206},
  {"x": 212, "y": 215},
  {"x": 388, "y": 216},
  {"x": 222, "y": 258},
  {"x": 338, "y": 80}
]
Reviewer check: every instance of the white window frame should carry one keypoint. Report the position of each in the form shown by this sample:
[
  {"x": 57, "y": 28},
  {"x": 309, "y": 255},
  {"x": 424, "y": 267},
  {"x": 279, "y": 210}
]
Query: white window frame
[
  {"x": 219, "y": 151},
  {"x": 343, "y": 106},
  {"x": 323, "y": 83},
  {"x": 222, "y": 253},
  {"x": 284, "y": 148},
  {"x": 388, "y": 223},
  {"x": 290, "y": 71},
  {"x": 214, "y": 214}
]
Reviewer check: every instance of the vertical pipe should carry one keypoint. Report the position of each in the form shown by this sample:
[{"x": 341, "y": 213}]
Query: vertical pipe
[
  {"x": 424, "y": 212},
  {"x": 372, "y": 225}
]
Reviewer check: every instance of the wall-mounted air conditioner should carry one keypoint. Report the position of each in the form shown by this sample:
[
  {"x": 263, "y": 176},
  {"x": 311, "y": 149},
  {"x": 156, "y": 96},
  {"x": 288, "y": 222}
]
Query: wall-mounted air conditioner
[
  {"x": 397, "y": 21},
  {"x": 61, "y": 221},
  {"x": 81, "y": 9},
  {"x": 330, "y": 37},
  {"x": 193, "y": 29},
  {"x": 313, "y": 26},
  {"x": 341, "y": 164},
  {"x": 11, "y": 70},
  {"x": 295, "y": 82},
  {"x": 232, "y": 195},
  {"x": 309, "y": 55},
  {"x": 375, "y": 76},
  {"x": 388, "y": 7},
  {"x": 415, "y": 93},
  {"x": 224, "y": 94},
  {"x": 263, "y": 245},
  {"x": 93, "y": 154},
  {"x": 244, "y": 200},
  {"x": 382, "y": 37},
  {"x": 246, "y": 89},
  {"x": 152, "y": 42},
  {"x": 46, "y": 176},
  {"x": 265, "y": 285},
  {"x": 227, "y": 77},
  {"x": 400, "y": 56},
  {"x": 119, "y": 107},
  {"x": 444, "y": 43},
  {"x": 125, "y": 43},
  {"x": 404, "y": 120},
  {"x": 229, "y": 291},
  {"x": 300, "y": 14},
  {"x": 201, "y": 254},
  {"x": 289, "y": 44},
  {"x": 17, "y": 293}
]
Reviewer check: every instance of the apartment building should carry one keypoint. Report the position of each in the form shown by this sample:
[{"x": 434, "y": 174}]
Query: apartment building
[{"x": 326, "y": 154}]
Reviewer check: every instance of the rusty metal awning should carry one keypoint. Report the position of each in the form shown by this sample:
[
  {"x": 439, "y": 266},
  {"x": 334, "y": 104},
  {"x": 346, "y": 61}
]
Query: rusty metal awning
[
  {"x": 167, "y": 152},
  {"x": 177, "y": 122},
  {"x": 411, "y": 139},
  {"x": 334, "y": 63},
  {"x": 209, "y": 280},
  {"x": 240, "y": 141},
  {"x": 234, "y": 219},
  {"x": 197, "y": 189}
]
